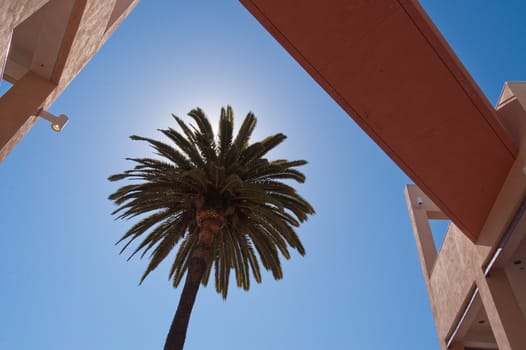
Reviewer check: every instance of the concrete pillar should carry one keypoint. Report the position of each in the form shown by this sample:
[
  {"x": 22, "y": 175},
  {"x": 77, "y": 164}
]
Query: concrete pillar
[
  {"x": 17, "y": 107},
  {"x": 504, "y": 314},
  {"x": 424, "y": 240},
  {"x": 420, "y": 213}
]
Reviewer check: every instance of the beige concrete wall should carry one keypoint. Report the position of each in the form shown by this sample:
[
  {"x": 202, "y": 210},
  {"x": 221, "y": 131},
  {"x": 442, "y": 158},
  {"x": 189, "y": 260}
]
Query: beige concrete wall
[
  {"x": 459, "y": 266},
  {"x": 452, "y": 278},
  {"x": 13, "y": 12},
  {"x": 87, "y": 30},
  {"x": 504, "y": 314}
]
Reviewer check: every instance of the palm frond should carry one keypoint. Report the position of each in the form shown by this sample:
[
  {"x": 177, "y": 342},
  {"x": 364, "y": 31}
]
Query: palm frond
[
  {"x": 226, "y": 130},
  {"x": 226, "y": 173}
]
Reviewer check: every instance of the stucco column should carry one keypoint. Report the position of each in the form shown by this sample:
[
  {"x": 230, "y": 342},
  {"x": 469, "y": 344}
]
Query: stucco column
[
  {"x": 17, "y": 107},
  {"x": 418, "y": 213},
  {"x": 504, "y": 314}
]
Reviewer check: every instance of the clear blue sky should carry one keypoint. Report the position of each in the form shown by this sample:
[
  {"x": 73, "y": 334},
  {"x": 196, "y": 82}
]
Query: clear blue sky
[{"x": 360, "y": 286}]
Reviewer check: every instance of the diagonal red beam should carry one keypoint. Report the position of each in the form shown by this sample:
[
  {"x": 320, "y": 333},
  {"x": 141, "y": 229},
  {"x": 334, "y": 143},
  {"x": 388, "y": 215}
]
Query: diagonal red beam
[{"x": 385, "y": 63}]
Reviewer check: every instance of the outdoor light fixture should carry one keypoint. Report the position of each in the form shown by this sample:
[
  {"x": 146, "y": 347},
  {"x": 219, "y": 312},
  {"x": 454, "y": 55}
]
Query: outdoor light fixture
[
  {"x": 419, "y": 201},
  {"x": 57, "y": 122}
]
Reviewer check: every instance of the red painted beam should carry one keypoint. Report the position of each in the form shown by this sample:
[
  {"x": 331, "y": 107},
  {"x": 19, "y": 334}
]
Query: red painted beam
[{"x": 389, "y": 68}]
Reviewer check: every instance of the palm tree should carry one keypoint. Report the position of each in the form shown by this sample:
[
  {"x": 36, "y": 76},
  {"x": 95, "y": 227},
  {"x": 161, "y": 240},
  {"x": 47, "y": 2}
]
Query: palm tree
[{"x": 219, "y": 201}]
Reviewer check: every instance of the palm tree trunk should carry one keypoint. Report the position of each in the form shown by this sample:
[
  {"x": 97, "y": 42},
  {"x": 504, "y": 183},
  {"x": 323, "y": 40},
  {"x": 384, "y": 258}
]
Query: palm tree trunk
[
  {"x": 210, "y": 223},
  {"x": 196, "y": 269}
]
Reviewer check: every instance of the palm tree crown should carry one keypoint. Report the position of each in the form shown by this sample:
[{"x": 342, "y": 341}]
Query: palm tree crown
[{"x": 220, "y": 193}]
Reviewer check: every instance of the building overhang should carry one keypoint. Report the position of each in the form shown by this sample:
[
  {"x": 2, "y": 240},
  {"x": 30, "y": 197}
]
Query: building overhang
[{"x": 389, "y": 68}]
